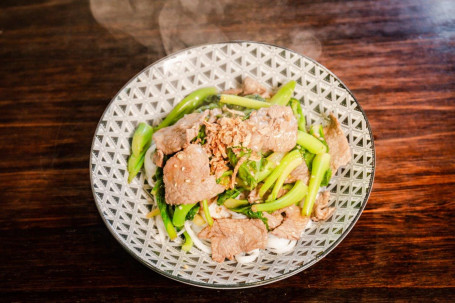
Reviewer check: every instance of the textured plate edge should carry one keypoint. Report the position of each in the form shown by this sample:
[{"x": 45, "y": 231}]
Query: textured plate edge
[{"x": 259, "y": 283}]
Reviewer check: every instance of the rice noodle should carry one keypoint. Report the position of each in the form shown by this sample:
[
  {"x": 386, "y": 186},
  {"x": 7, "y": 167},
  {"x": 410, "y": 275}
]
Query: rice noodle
[
  {"x": 181, "y": 232},
  {"x": 218, "y": 211},
  {"x": 235, "y": 215},
  {"x": 161, "y": 229},
  {"x": 244, "y": 258},
  {"x": 149, "y": 166},
  {"x": 280, "y": 245},
  {"x": 197, "y": 242}
]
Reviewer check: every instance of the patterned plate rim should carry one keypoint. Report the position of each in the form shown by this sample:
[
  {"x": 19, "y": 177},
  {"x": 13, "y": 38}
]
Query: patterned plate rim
[{"x": 270, "y": 280}]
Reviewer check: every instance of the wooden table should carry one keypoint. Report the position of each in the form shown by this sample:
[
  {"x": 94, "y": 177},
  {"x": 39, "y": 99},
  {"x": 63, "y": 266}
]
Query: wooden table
[{"x": 62, "y": 61}]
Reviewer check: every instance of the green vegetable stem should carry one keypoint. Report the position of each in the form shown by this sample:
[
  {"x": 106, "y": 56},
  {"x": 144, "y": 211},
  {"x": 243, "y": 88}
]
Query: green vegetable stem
[
  {"x": 141, "y": 138},
  {"x": 188, "y": 104},
  {"x": 242, "y": 101},
  {"x": 159, "y": 198},
  {"x": 284, "y": 94},
  {"x": 318, "y": 132},
  {"x": 180, "y": 214},
  {"x": 296, "y": 194},
  {"x": 310, "y": 143},
  {"x": 284, "y": 174},
  {"x": 134, "y": 165},
  {"x": 270, "y": 180},
  {"x": 188, "y": 242},
  {"x": 321, "y": 164},
  {"x": 271, "y": 162},
  {"x": 234, "y": 203},
  {"x": 298, "y": 113},
  {"x": 205, "y": 207}
]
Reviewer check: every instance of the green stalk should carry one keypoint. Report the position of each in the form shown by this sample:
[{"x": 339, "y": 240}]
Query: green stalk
[
  {"x": 188, "y": 104},
  {"x": 180, "y": 214},
  {"x": 188, "y": 242},
  {"x": 284, "y": 94},
  {"x": 234, "y": 203},
  {"x": 159, "y": 198},
  {"x": 310, "y": 143},
  {"x": 272, "y": 161},
  {"x": 270, "y": 180},
  {"x": 320, "y": 165},
  {"x": 286, "y": 171},
  {"x": 318, "y": 132},
  {"x": 134, "y": 165},
  {"x": 298, "y": 113},
  {"x": 242, "y": 101},
  {"x": 207, "y": 212},
  {"x": 141, "y": 138},
  {"x": 296, "y": 194}
]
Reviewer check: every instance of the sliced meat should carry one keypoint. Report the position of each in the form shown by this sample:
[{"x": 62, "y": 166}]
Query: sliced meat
[
  {"x": 339, "y": 150},
  {"x": 321, "y": 209},
  {"x": 301, "y": 172},
  {"x": 233, "y": 236},
  {"x": 173, "y": 138},
  {"x": 187, "y": 177},
  {"x": 273, "y": 129},
  {"x": 293, "y": 225},
  {"x": 273, "y": 220},
  {"x": 252, "y": 87},
  {"x": 158, "y": 158}
]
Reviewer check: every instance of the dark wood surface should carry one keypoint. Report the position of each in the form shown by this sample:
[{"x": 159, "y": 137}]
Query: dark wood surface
[{"x": 62, "y": 61}]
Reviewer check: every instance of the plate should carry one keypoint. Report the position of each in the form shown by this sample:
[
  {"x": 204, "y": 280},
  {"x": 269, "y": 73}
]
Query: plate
[{"x": 151, "y": 94}]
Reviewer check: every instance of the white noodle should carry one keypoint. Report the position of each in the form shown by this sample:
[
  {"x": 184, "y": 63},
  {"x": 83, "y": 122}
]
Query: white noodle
[
  {"x": 161, "y": 229},
  {"x": 197, "y": 242},
  {"x": 181, "y": 232},
  {"x": 150, "y": 167},
  {"x": 280, "y": 245},
  {"x": 235, "y": 215},
  {"x": 244, "y": 258},
  {"x": 218, "y": 211}
]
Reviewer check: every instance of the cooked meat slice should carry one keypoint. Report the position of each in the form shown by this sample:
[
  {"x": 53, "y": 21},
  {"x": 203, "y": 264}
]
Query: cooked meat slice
[
  {"x": 233, "y": 236},
  {"x": 273, "y": 220},
  {"x": 273, "y": 128},
  {"x": 321, "y": 209},
  {"x": 340, "y": 153},
  {"x": 252, "y": 87},
  {"x": 158, "y": 158},
  {"x": 301, "y": 172},
  {"x": 293, "y": 225},
  {"x": 173, "y": 138},
  {"x": 187, "y": 177}
]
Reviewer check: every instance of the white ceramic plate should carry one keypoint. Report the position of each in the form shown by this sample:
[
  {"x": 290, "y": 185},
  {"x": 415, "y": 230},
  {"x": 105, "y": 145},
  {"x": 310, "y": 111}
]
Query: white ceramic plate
[{"x": 151, "y": 94}]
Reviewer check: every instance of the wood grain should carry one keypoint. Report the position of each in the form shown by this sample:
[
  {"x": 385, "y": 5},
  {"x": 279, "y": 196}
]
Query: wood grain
[{"x": 62, "y": 61}]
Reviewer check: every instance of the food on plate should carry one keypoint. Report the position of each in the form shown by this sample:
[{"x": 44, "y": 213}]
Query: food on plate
[{"x": 238, "y": 171}]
